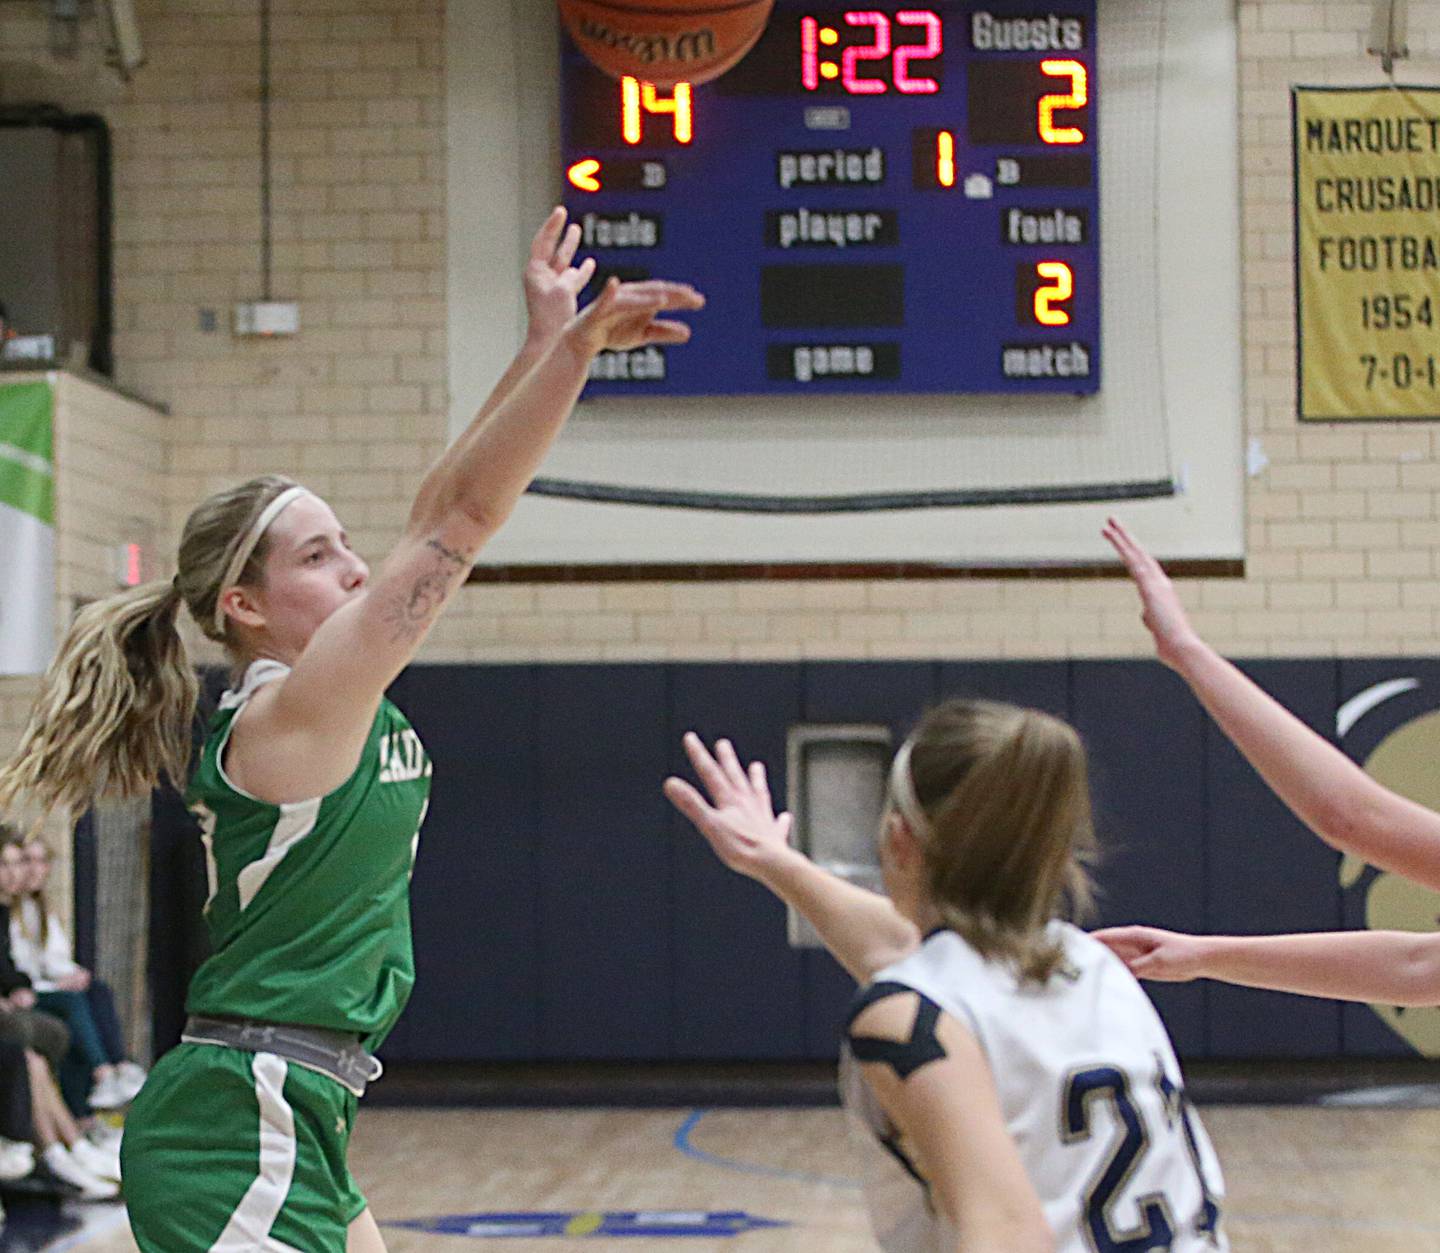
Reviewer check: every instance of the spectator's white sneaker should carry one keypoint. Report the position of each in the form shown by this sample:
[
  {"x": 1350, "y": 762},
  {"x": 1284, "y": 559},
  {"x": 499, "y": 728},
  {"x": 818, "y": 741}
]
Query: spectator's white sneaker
[
  {"x": 101, "y": 1162},
  {"x": 109, "y": 1093},
  {"x": 63, "y": 1165},
  {"x": 17, "y": 1159},
  {"x": 106, "y": 1135},
  {"x": 129, "y": 1079}
]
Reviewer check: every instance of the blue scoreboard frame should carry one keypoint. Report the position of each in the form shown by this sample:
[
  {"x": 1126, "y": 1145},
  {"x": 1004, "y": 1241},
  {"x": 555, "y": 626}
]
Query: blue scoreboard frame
[{"x": 887, "y": 200}]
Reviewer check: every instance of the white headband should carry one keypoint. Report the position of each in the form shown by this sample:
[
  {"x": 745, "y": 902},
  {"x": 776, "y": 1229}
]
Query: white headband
[
  {"x": 902, "y": 792},
  {"x": 247, "y": 546}
]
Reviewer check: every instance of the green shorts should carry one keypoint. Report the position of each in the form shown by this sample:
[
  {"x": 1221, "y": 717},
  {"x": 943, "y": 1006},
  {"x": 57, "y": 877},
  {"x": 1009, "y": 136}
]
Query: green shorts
[{"x": 238, "y": 1152}]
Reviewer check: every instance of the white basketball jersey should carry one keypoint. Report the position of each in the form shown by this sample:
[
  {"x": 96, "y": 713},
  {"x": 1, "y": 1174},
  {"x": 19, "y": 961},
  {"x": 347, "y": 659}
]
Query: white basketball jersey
[{"x": 1091, "y": 1094}]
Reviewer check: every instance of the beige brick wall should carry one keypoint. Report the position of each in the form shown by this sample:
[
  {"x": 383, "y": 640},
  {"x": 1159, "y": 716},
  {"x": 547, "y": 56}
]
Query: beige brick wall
[{"x": 1342, "y": 526}]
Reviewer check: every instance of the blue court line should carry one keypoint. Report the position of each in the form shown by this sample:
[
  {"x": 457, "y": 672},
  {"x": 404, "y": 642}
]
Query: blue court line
[{"x": 682, "y": 1142}]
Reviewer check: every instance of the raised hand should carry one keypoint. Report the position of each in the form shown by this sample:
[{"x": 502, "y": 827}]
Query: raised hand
[
  {"x": 552, "y": 284},
  {"x": 1161, "y": 610},
  {"x": 1150, "y": 953},
  {"x": 738, "y": 818},
  {"x": 624, "y": 315}
]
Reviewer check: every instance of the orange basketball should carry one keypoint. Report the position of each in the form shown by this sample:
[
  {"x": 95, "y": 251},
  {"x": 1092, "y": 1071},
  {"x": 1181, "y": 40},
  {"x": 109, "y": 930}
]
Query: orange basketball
[{"x": 665, "y": 41}]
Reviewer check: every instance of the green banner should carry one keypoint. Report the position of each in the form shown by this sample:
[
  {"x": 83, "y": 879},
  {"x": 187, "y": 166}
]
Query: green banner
[
  {"x": 27, "y": 449},
  {"x": 27, "y": 527}
]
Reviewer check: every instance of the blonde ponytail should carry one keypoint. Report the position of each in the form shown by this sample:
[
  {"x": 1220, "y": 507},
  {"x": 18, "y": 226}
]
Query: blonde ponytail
[
  {"x": 115, "y": 708},
  {"x": 1006, "y": 799},
  {"x": 114, "y": 711}
]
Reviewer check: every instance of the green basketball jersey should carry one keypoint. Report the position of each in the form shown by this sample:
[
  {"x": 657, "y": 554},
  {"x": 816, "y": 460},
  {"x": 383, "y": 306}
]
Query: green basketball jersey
[{"x": 309, "y": 906}]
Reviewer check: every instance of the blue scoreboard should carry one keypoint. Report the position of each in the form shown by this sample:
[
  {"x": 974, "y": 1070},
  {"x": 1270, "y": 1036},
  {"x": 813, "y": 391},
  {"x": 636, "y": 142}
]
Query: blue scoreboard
[{"x": 889, "y": 199}]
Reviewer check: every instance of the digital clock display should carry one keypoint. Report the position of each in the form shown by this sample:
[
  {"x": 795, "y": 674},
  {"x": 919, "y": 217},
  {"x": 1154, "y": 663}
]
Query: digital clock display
[{"x": 893, "y": 199}]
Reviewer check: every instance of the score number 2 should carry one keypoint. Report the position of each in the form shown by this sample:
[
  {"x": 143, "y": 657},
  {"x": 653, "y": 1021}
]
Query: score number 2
[
  {"x": 1076, "y": 98},
  {"x": 1043, "y": 293}
]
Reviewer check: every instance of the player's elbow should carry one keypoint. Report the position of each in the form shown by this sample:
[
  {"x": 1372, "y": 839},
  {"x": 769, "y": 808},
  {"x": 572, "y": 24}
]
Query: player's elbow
[
  {"x": 1418, "y": 982},
  {"x": 1347, "y": 822},
  {"x": 446, "y": 509}
]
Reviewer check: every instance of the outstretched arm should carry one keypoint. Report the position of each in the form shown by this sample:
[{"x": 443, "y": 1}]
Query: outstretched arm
[
  {"x": 552, "y": 285},
  {"x": 1327, "y": 791},
  {"x": 862, "y": 929},
  {"x": 316, "y": 721},
  {"x": 1383, "y": 967}
]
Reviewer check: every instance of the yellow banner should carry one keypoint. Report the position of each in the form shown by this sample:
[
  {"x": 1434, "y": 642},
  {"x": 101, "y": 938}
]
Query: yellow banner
[{"x": 1367, "y": 252}]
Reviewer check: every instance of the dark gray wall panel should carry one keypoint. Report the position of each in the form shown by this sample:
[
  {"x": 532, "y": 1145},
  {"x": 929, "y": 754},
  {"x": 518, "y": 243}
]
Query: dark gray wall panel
[
  {"x": 605, "y": 899},
  {"x": 474, "y": 898},
  {"x": 1146, "y": 739},
  {"x": 737, "y": 989},
  {"x": 1036, "y": 684}
]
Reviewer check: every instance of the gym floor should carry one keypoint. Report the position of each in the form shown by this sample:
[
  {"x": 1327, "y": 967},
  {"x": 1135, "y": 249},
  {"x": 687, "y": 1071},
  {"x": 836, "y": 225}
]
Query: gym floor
[{"x": 1302, "y": 1179}]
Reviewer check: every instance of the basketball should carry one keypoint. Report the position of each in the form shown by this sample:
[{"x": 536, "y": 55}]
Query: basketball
[{"x": 665, "y": 41}]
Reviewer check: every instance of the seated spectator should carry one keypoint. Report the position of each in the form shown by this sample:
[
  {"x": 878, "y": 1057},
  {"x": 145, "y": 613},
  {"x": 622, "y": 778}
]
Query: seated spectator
[
  {"x": 41, "y": 950},
  {"x": 32, "y": 1111}
]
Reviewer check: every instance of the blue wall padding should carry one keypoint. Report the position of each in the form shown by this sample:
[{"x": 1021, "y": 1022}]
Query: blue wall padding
[
  {"x": 1038, "y": 684},
  {"x": 605, "y": 894},
  {"x": 1147, "y": 744},
  {"x": 563, "y": 911},
  {"x": 1267, "y": 872},
  {"x": 475, "y": 897},
  {"x": 737, "y": 982}
]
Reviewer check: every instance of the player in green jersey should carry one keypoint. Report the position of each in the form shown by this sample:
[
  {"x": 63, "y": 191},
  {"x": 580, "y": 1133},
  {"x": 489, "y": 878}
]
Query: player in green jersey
[{"x": 310, "y": 789}]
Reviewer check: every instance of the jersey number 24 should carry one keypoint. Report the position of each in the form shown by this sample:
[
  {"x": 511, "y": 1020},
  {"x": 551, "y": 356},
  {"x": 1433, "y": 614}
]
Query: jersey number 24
[{"x": 1155, "y": 1231}]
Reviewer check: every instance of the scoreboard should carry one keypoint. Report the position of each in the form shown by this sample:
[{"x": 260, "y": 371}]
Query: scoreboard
[{"x": 879, "y": 200}]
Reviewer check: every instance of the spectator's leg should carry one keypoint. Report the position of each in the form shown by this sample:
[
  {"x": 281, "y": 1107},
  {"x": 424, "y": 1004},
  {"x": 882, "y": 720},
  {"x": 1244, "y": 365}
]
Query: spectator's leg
[
  {"x": 73, "y": 1008},
  {"x": 16, "y": 1118},
  {"x": 86, "y": 1063},
  {"x": 44, "y": 1100},
  {"x": 107, "y": 1020},
  {"x": 42, "y": 1032}
]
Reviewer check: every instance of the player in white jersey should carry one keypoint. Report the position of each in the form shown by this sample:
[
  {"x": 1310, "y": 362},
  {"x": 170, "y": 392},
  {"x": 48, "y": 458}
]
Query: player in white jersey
[{"x": 1016, "y": 1088}]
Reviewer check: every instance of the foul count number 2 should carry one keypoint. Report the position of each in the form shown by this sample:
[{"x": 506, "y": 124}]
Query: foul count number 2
[{"x": 1057, "y": 289}]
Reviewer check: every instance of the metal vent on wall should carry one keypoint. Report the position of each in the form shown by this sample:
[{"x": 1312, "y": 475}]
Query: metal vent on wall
[{"x": 836, "y": 778}]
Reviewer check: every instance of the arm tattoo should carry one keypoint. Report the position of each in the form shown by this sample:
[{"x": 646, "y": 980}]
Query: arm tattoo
[
  {"x": 450, "y": 555},
  {"x": 410, "y": 611}
]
